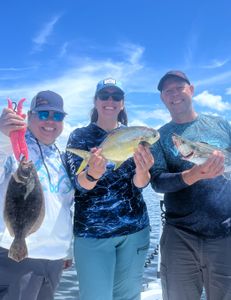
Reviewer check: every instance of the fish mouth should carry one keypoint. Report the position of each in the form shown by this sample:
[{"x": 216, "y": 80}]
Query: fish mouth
[{"x": 188, "y": 155}]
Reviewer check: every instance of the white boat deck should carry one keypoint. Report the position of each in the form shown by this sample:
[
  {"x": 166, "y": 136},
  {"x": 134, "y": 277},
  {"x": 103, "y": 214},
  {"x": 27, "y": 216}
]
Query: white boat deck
[{"x": 153, "y": 292}]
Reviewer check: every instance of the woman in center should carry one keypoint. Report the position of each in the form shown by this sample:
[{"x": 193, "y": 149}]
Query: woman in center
[{"x": 111, "y": 223}]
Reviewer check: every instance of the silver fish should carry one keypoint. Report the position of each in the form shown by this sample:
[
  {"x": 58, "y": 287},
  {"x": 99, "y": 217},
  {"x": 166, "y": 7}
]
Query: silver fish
[
  {"x": 24, "y": 207},
  {"x": 199, "y": 152},
  {"x": 120, "y": 144}
]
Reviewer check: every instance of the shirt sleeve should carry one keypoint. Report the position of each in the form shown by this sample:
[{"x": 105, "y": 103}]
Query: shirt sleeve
[
  {"x": 163, "y": 181},
  {"x": 5, "y": 152}
]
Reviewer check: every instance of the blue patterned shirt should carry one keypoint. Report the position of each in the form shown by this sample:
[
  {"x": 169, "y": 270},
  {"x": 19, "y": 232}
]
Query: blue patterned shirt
[
  {"x": 204, "y": 208},
  {"x": 115, "y": 206}
]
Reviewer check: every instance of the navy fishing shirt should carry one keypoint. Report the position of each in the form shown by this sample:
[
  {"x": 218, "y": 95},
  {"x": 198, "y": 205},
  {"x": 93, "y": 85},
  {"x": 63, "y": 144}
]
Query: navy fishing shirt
[
  {"x": 204, "y": 208},
  {"x": 115, "y": 206}
]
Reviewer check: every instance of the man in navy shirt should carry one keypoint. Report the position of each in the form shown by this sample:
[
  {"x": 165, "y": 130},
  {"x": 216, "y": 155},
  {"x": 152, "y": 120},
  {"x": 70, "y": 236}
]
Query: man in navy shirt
[{"x": 196, "y": 239}]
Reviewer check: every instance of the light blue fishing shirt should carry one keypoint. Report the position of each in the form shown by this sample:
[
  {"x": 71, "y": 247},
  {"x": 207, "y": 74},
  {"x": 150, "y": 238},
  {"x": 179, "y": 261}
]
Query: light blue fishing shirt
[{"x": 53, "y": 238}]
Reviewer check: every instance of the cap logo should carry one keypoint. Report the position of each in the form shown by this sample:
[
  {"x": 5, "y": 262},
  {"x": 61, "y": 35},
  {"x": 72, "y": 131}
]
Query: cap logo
[
  {"x": 109, "y": 81},
  {"x": 41, "y": 101}
]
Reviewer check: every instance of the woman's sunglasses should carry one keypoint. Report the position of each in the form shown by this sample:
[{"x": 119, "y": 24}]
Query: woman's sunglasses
[
  {"x": 44, "y": 115},
  {"x": 116, "y": 96}
]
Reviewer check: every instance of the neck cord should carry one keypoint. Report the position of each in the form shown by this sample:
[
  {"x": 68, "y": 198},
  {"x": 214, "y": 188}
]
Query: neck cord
[{"x": 43, "y": 159}]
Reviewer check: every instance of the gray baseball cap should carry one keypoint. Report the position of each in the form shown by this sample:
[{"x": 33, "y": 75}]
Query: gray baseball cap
[{"x": 47, "y": 100}]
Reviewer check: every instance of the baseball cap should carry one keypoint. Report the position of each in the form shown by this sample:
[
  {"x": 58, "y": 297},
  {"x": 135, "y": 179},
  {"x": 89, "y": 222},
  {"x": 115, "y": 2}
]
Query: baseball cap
[
  {"x": 47, "y": 100},
  {"x": 171, "y": 74},
  {"x": 108, "y": 82}
]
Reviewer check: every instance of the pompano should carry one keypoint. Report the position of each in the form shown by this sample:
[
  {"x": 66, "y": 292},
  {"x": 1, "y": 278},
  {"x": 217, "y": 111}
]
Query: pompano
[
  {"x": 120, "y": 144},
  {"x": 199, "y": 152},
  {"x": 24, "y": 208}
]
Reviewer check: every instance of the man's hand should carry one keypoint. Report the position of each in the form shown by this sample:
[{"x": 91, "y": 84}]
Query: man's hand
[
  {"x": 10, "y": 121},
  {"x": 212, "y": 167}
]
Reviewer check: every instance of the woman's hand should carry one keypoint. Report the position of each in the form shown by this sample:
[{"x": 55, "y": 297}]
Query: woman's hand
[
  {"x": 144, "y": 161},
  {"x": 96, "y": 168},
  {"x": 96, "y": 164}
]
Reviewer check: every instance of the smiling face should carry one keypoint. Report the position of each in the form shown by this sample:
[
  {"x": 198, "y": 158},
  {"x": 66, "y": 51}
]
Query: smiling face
[
  {"x": 109, "y": 109},
  {"x": 46, "y": 131},
  {"x": 177, "y": 96}
]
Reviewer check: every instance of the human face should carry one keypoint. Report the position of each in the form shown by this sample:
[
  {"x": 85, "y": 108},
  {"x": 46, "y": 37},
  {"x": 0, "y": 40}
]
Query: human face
[
  {"x": 46, "y": 131},
  {"x": 110, "y": 106},
  {"x": 177, "y": 96}
]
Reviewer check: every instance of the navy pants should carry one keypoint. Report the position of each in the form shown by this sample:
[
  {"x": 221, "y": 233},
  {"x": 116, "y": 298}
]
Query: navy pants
[{"x": 30, "y": 279}]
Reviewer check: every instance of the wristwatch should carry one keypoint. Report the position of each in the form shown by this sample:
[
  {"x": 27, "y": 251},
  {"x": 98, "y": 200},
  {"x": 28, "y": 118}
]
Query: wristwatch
[{"x": 90, "y": 178}]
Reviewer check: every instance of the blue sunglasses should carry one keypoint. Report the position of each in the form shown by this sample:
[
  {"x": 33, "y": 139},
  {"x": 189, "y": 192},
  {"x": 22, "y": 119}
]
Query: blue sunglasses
[{"x": 44, "y": 115}]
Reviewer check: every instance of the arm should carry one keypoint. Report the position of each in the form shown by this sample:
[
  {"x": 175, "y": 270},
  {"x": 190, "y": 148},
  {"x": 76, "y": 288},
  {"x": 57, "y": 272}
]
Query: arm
[{"x": 164, "y": 181}]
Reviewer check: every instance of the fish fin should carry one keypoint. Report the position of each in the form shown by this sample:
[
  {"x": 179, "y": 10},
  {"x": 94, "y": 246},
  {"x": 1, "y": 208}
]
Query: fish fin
[
  {"x": 81, "y": 153},
  {"x": 117, "y": 164},
  {"x": 8, "y": 223},
  {"x": 39, "y": 220},
  {"x": 85, "y": 155},
  {"x": 18, "y": 250},
  {"x": 227, "y": 175},
  {"x": 29, "y": 188}
]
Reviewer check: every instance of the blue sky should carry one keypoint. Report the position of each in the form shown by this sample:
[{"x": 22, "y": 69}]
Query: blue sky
[{"x": 69, "y": 45}]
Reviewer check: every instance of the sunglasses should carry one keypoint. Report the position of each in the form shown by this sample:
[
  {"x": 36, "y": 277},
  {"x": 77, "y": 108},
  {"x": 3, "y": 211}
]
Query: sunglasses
[
  {"x": 115, "y": 96},
  {"x": 44, "y": 115}
]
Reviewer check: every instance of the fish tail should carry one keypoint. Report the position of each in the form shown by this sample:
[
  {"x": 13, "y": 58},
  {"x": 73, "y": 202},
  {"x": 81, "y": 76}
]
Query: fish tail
[
  {"x": 85, "y": 155},
  {"x": 18, "y": 250},
  {"x": 82, "y": 166}
]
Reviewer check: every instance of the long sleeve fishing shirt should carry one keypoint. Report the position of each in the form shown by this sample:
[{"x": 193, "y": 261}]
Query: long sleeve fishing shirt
[
  {"x": 52, "y": 240},
  {"x": 203, "y": 208},
  {"x": 115, "y": 206}
]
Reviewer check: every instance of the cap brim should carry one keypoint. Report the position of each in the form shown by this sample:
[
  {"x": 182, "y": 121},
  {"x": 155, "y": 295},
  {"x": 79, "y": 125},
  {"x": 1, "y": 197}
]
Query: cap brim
[
  {"x": 167, "y": 76},
  {"x": 42, "y": 108},
  {"x": 110, "y": 86}
]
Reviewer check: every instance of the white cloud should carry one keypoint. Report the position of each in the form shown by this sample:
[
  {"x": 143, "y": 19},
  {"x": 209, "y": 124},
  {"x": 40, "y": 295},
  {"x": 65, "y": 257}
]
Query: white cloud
[
  {"x": 157, "y": 114},
  {"x": 44, "y": 33},
  {"x": 220, "y": 78},
  {"x": 77, "y": 84},
  {"x": 216, "y": 64},
  {"x": 63, "y": 50},
  {"x": 133, "y": 52},
  {"x": 212, "y": 101}
]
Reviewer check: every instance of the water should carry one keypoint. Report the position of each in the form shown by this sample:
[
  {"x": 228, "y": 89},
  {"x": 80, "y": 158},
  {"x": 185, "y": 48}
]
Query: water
[{"x": 68, "y": 288}]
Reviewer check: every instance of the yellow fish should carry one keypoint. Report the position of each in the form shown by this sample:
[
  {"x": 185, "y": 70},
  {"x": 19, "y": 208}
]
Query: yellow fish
[{"x": 120, "y": 144}]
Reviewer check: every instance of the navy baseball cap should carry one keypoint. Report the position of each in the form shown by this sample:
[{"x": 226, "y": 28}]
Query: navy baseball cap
[
  {"x": 47, "y": 100},
  {"x": 109, "y": 82},
  {"x": 172, "y": 74}
]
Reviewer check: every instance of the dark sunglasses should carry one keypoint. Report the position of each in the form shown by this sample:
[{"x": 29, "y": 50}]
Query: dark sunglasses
[
  {"x": 115, "y": 96},
  {"x": 44, "y": 115}
]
